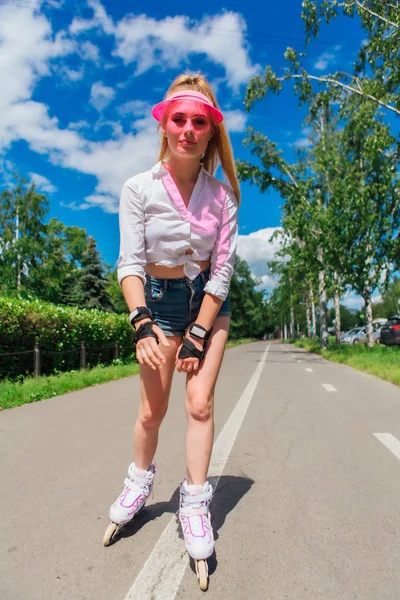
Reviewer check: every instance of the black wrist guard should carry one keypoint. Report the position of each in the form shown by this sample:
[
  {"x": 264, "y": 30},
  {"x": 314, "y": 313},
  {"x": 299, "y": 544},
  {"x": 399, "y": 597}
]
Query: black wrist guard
[
  {"x": 199, "y": 332},
  {"x": 140, "y": 312},
  {"x": 188, "y": 349},
  {"x": 145, "y": 330}
]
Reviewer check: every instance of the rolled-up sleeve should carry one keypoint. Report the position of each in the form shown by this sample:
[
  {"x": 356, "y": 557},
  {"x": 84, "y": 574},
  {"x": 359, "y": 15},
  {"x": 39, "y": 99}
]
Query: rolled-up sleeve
[
  {"x": 132, "y": 258},
  {"x": 224, "y": 251}
]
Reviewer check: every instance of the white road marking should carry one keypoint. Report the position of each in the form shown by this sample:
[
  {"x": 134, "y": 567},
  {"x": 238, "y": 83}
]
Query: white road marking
[
  {"x": 390, "y": 442},
  {"x": 309, "y": 370},
  {"x": 299, "y": 361},
  {"x": 162, "y": 573},
  {"x": 329, "y": 387}
]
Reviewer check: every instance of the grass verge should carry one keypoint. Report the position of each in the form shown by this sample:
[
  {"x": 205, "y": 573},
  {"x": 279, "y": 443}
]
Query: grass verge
[
  {"x": 32, "y": 389},
  {"x": 382, "y": 361}
]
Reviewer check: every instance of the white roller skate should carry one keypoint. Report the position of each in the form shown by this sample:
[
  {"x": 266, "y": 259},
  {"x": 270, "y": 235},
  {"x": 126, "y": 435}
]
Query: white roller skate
[
  {"x": 194, "y": 515},
  {"x": 133, "y": 498}
]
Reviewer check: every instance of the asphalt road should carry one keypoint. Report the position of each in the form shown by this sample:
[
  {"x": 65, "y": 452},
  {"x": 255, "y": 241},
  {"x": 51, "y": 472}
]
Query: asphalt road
[{"x": 306, "y": 506}]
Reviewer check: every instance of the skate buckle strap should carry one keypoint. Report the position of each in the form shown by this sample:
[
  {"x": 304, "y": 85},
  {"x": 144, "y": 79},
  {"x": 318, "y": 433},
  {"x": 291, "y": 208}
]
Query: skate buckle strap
[
  {"x": 144, "y": 485},
  {"x": 205, "y": 497},
  {"x": 191, "y": 511}
]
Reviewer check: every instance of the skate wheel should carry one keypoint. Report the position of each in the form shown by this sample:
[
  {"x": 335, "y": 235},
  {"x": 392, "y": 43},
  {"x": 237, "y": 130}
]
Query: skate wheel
[
  {"x": 109, "y": 534},
  {"x": 202, "y": 574}
]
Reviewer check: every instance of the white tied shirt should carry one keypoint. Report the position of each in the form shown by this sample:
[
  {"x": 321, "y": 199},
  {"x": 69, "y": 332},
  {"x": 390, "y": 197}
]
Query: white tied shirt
[{"x": 157, "y": 227}]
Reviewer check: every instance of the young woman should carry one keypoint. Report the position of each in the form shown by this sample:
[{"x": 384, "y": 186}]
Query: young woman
[{"x": 178, "y": 227}]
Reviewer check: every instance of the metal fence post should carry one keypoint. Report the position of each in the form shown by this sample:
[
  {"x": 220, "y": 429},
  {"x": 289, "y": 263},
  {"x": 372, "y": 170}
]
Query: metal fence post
[
  {"x": 116, "y": 351},
  {"x": 83, "y": 355},
  {"x": 36, "y": 359}
]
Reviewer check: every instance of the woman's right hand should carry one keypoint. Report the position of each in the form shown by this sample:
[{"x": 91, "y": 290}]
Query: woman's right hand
[{"x": 148, "y": 351}]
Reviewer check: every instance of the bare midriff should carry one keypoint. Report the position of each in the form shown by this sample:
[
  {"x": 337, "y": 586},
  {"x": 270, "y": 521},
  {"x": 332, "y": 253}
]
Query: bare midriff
[{"x": 172, "y": 272}]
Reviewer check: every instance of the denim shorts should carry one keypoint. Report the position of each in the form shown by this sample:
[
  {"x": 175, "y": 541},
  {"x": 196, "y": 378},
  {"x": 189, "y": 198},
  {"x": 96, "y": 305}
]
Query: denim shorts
[{"x": 175, "y": 303}]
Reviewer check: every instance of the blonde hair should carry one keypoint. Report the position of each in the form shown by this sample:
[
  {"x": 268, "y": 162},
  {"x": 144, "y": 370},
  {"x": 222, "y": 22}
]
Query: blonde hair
[{"x": 219, "y": 149}]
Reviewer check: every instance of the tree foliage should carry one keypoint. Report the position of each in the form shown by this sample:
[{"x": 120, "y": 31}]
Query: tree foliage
[
  {"x": 90, "y": 290},
  {"x": 341, "y": 197},
  {"x": 248, "y": 307}
]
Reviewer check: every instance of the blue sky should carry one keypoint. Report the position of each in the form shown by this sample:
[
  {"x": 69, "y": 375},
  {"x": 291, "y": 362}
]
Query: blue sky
[{"x": 78, "y": 80}]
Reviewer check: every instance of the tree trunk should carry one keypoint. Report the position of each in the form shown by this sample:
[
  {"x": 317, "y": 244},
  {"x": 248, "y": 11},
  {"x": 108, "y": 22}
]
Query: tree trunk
[
  {"x": 292, "y": 330},
  {"x": 368, "y": 317},
  {"x": 285, "y": 331},
  {"x": 18, "y": 254},
  {"x": 322, "y": 302},
  {"x": 308, "y": 315},
  {"x": 313, "y": 315},
  {"x": 338, "y": 324},
  {"x": 292, "y": 325}
]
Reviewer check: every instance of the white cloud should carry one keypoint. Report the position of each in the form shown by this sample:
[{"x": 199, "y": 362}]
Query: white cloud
[
  {"x": 26, "y": 50},
  {"x": 89, "y": 51},
  {"x": 352, "y": 300},
  {"x": 106, "y": 203},
  {"x": 257, "y": 250},
  {"x": 304, "y": 140},
  {"x": 78, "y": 125},
  {"x": 268, "y": 282},
  {"x": 169, "y": 42},
  {"x": 55, "y": 3},
  {"x": 100, "y": 20},
  {"x": 29, "y": 50},
  {"x": 235, "y": 120},
  {"x": 71, "y": 74},
  {"x": 327, "y": 59},
  {"x": 101, "y": 95},
  {"x": 7, "y": 170},
  {"x": 138, "y": 108},
  {"x": 42, "y": 183},
  {"x": 112, "y": 161}
]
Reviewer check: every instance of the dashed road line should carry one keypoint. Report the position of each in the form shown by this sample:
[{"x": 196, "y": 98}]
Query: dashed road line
[
  {"x": 309, "y": 369},
  {"x": 390, "y": 442},
  {"x": 329, "y": 387}
]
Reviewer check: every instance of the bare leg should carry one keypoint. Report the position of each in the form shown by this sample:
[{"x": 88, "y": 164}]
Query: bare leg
[
  {"x": 200, "y": 405},
  {"x": 155, "y": 389}
]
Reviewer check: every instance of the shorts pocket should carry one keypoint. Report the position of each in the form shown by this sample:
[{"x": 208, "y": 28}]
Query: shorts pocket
[{"x": 154, "y": 290}]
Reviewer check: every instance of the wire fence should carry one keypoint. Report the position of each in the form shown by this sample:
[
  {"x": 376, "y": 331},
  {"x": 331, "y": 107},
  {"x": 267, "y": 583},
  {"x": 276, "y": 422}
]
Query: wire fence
[{"x": 40, "y": 361}]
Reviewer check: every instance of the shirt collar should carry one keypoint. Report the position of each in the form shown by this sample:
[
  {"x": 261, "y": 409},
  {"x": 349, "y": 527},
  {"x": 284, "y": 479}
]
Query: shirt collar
[{"x": 160, "y": 170}]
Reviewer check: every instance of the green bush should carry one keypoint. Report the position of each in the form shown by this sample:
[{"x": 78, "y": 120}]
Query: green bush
[{"x": 59, "y": 331}]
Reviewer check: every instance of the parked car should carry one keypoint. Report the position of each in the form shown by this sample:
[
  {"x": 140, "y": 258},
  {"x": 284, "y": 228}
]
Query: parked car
[
  {"x": 348, "y": 336},
  {"x": 359, "y": 336},
  {"x": 390, "y": 333}
]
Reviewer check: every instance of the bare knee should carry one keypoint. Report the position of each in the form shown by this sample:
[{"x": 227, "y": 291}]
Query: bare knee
[
  {"x": 150, "y": 417},
  {"x": 199, "y": 407}
]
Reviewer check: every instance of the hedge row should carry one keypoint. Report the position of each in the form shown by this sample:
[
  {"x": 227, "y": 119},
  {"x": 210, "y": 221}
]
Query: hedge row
[{"x": 59, "y": 331}]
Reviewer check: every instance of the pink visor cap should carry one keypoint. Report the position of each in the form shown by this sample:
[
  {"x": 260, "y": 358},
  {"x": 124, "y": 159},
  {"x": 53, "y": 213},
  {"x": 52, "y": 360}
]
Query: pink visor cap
[{"x": 159, "y": 109}]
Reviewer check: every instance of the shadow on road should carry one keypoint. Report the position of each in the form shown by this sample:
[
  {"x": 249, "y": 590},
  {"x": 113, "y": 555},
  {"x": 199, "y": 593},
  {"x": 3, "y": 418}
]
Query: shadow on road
[
  {"x": 229, "y": 492},
  {"x": 304, "y": 354},
  {"x": 149, "y": 513}
]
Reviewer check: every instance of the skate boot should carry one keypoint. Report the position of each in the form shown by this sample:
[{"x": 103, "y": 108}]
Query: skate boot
[
  {"x": 194, "y": 515},
  {"x": 136, "y": 491}
]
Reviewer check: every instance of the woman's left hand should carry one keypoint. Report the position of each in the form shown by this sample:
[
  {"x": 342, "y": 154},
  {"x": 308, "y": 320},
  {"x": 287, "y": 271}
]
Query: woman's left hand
[{"x": 190, "y": 364}]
